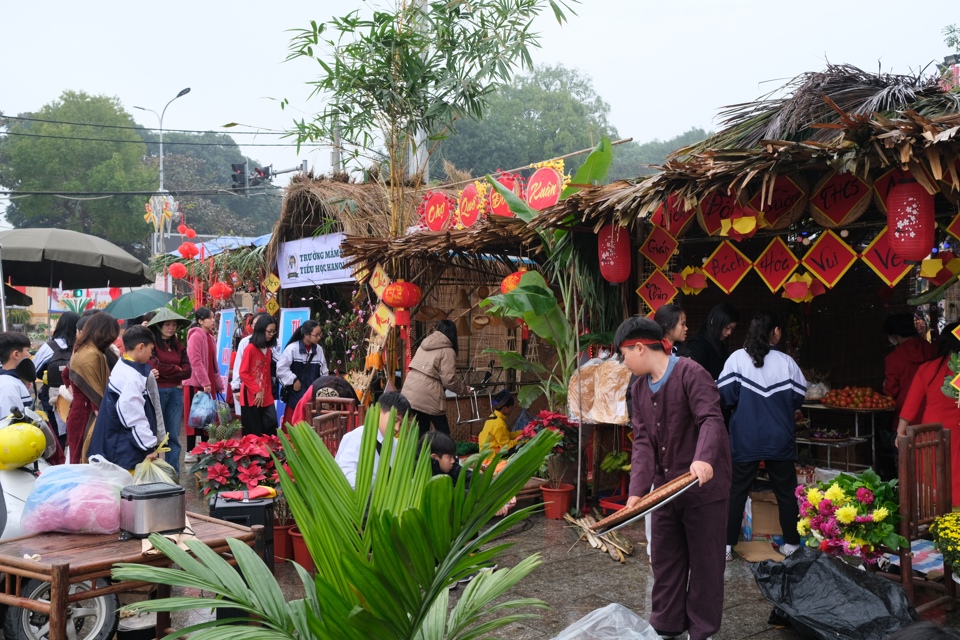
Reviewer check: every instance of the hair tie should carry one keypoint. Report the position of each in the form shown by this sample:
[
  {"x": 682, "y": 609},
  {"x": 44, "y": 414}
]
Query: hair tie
[{"x": 666, "y": 344}]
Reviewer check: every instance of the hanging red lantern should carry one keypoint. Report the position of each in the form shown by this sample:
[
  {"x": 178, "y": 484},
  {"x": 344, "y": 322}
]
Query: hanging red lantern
[
  {"x": 181, "y": 228},
  {"x": 512, "y": 281},
  {"x": 178, "y": 270},
  {"x": 190, "y": 233},
  {"x": 402, "y": 296},
  {"x": 188, "y": 250},
  {"x": 613, "y": 247},
  {"x": 220, "y": 291},
  {"x": 910, "y": 220}
]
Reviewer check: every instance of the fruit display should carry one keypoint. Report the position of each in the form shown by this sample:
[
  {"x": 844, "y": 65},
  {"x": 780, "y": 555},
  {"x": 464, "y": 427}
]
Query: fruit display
[{"x": 857, "y": 398}]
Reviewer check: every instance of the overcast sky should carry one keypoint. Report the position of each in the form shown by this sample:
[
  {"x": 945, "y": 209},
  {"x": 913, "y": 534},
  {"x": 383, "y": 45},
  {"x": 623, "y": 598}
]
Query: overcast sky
[{"x": 663, "y": 66}]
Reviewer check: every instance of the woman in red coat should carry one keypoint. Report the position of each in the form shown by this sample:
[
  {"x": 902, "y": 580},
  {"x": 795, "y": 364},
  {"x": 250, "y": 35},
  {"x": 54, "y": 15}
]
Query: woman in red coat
[
  {"x": 926, "y": 403},
  {"x": 204, "y": 373},
  {"x": 258, "y": 415}
]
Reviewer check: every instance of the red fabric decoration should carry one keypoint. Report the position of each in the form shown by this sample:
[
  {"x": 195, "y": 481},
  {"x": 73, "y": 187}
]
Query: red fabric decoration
[
  {"x": 403, "y": 317},
  {"x": 190, "y": 233},
  {"x": 613, "y": 247},
  {"x": 188, "y": 250},
  {"x": 910, "y": 220},
  {"x": 512, "y": 281},
  {"x": 178, "y": 270}
]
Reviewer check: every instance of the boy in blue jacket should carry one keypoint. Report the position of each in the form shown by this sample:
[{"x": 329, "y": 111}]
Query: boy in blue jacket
[{"x": 126, "y": 428}]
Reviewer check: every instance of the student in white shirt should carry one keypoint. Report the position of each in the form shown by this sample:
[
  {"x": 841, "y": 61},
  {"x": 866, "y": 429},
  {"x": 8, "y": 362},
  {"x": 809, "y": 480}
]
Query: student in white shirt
[
  {"x": 17, "y": 370},
  {"x": 348, "y": 454}
]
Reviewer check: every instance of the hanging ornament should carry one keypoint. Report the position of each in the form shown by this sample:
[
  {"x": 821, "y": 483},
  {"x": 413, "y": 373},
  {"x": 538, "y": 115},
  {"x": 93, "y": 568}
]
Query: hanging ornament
[
  {"x": 940, "y": 269},
  {"x": 741, "y": 224},
  {"x": 190, "y": 233},
  {"x": 188, "y": 250},
  {"x": 692, "y": 280},
  {"x": 402, "y": 296},
  {"x": 178, "y": 270},
  {"x": 181, "y": 228},
  {"x": 910, "y": 220},
  {"x": 802, "y": 288},
  {"x": 221, "y": 291},
  {"x": 512, "y": 281},
  {"x": 613, "y": 247}
]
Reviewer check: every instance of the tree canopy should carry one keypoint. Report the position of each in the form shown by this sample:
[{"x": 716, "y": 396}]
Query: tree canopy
[{"x": 50, "y": 156}]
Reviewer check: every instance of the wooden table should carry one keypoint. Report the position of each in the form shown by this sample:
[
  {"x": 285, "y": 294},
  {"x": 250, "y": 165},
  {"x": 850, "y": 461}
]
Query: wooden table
[{"x": 67, "y": 559}]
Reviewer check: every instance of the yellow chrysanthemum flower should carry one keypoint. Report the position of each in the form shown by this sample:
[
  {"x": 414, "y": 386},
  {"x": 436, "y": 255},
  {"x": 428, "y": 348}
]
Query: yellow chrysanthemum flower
[
  {"x": 803, "y": 526},
  {"x": 835, "y": 494},
  {"x": 814, "y": 497},
  {"x": 880, "y": 513},
  {"x": 846, "y": 514}
]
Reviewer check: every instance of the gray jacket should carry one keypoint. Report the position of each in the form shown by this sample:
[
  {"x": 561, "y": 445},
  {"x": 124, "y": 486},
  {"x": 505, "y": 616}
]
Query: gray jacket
[{"x": 433, "y": 369}]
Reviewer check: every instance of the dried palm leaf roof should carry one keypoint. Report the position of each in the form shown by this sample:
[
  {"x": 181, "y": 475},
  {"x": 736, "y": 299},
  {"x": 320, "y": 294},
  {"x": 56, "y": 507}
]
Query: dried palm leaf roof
[
  {"x": 488, "y": 246},
  {"x": 841, "y": 119}
]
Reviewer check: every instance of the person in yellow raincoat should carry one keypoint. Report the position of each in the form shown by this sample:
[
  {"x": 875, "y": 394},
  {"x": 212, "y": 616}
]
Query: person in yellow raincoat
[{"x": 495, "y": 432}]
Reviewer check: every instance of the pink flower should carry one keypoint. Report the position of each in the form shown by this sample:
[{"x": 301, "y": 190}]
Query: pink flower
[
  {"x": 864, "y": 495},
  {"x": 826, "y": 507}
]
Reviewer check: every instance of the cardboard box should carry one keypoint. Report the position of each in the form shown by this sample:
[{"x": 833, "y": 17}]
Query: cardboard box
[{"x": 766, "y": 516}]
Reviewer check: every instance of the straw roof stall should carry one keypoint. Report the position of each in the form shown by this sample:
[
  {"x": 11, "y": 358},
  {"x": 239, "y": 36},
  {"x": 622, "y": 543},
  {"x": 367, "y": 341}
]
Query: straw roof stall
[{"x": 842, "y": 119}]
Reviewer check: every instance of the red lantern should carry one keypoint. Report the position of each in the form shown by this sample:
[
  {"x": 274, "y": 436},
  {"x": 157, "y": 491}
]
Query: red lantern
[
  {"x": 190, "y": 233},
  {"x": 181, "y": 228},
  {"x": 220, "y": 291},
  {"x": 402, "y": 296},
  {"x": 178, "y": 270},
  {"x": 613, "y": 246},
  {"x": 512, "y": 281},
  {"x": 910, "y": 220},
  {"x": 188, "y": 250}
]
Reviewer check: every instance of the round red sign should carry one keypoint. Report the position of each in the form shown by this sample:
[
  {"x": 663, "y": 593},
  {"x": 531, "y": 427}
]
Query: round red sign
[
  {"x": 437, "y": 212},
  {"x": 499, "y": 206},
  {"x": 469, "y": 206},
  {"x": 543, "y": 189}
]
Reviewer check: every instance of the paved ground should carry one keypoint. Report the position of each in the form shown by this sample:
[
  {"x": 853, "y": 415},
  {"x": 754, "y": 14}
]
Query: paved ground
[{"x": 575, "y": 579}]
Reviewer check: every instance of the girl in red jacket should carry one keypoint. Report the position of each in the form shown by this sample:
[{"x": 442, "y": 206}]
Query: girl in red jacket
[{"x": 258, "y": 415}]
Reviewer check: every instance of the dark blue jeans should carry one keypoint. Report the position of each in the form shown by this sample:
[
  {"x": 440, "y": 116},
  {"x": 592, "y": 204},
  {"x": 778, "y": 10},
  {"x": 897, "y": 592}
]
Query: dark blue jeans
[{"x": 171, "y": 404}]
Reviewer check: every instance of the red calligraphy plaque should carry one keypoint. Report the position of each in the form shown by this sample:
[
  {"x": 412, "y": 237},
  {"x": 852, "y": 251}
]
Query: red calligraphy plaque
[
  {"x": 499, "y": 206},
  {"x": 829, "y": 258},
  {"x": 714, "y": 209},
  {"x": 776, "y": 264},
  {"x": 437, "y": 212},
  {"x": 657, "y": 290},
  {"x": 954, "y": 227},
  {"x": 884, "y": 261},
  {"x": 839, "y": 199},
  {"x": 659, "y": 247},
  {"x": 726, "y": 266},
  {"x": 543, "y": 188},
  {"x": 468, "y": 208},
  {"x": 776, "y": 204},
  {"x": 673, "y": 216}
]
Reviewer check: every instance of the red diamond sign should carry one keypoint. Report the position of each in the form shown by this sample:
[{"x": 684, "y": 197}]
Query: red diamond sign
[
  {"x": 885, "y": 263},
  {"x": 659, "y": 247},
  {"x": 726, "y": 266},
  {"x": 829, "y": 258},
  {"x": 775, "y": 264},
  {"x": 657, "y": 290}
]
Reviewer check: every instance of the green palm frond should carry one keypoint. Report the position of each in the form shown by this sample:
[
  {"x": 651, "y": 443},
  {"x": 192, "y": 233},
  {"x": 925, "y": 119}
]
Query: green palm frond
[{"x": 385, "y": 552}]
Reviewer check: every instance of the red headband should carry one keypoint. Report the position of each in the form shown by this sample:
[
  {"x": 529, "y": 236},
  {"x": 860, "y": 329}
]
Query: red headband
[{"x": 666, "y": 344}]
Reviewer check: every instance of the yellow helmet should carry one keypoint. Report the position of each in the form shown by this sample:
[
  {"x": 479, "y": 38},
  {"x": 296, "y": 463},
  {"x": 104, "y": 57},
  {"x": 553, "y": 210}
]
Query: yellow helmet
[{"x": 20, "y": 444}]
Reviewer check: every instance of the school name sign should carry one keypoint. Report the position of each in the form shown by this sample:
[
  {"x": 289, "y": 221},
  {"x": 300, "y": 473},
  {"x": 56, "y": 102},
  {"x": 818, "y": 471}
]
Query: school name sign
[{"x": 312, "y": 261}]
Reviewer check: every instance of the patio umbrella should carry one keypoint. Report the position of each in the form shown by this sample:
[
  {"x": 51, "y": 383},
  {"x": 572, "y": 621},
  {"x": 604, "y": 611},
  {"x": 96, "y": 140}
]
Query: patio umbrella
[
  {"x": 15, "y": 298},
  {"x": 47, "y": 257},
  {"x": 137, "y": 302}
]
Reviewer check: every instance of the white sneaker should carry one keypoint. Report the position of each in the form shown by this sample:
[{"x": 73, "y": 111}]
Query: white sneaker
[
  {"x": 787, "y": 549},
  {"x": 189, "y": 458}
]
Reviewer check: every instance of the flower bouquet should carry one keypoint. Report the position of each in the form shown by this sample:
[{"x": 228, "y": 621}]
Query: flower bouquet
[
  {"x": 238, "y": 464},
  {"x": 566, "y": 449},
  {"x": 852, "y": 516},
  {"x": 945, "y": 531}
]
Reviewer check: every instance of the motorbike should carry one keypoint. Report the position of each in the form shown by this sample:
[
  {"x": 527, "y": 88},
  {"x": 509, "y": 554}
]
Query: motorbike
[{"x": 92, "y": 619}]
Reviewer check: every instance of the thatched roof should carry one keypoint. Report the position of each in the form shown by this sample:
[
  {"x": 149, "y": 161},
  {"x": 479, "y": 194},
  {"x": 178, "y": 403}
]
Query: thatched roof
[{"x": 831, "y": 122}]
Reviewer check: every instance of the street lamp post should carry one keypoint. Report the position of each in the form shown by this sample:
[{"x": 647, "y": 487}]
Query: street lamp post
[{"x": 156, "y": 236}]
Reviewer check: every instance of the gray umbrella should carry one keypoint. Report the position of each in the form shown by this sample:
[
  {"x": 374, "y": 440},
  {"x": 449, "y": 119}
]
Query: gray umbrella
[{"x": 47, "y": 257}]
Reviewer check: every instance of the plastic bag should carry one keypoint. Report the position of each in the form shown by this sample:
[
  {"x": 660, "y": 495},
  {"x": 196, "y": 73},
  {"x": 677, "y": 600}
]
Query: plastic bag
[
  {"x": 151, "y": 471},
  {"x": 807, "y": 586},
  {"x": 76, "y": 498},
  {"x": 612, "y": 622},
  {"x": 611, "y": 379},
  {"x": 203, "y": 410}
]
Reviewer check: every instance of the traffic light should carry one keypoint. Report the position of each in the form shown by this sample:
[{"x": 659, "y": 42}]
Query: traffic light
[
  {"x": 261, "y": 174},
  {"x": 239, "y": 175}
]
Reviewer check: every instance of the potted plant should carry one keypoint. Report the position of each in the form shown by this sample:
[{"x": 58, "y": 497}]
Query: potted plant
[
  {"x": 560, "y": 466},
  {"x": 282, "y": 524},
  {"x": 851, "y": 517},
  {"x": 238, "y": 464}
]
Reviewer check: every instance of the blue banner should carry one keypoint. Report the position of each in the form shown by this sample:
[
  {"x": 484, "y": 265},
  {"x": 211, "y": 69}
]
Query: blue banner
[
  {"x": 290, "y": 321},
  {"x": 228, "y": 319}
]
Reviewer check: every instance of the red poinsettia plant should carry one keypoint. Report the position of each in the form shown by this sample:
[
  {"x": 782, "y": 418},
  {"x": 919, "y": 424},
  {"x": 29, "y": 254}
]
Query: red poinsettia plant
[
  {"x": 238, "y": 464},
  {"x": 563, "y": 453}
]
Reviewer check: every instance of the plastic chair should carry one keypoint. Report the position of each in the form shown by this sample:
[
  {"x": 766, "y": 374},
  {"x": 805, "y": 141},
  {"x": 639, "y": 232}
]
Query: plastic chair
[
  {"x": 925, "y": 494},
  {"x": 330, "y": 427}
]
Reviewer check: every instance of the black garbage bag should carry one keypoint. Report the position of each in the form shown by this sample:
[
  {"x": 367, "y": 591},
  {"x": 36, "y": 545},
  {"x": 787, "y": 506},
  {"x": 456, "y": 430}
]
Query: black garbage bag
[{"x": 823, "y": 597}]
